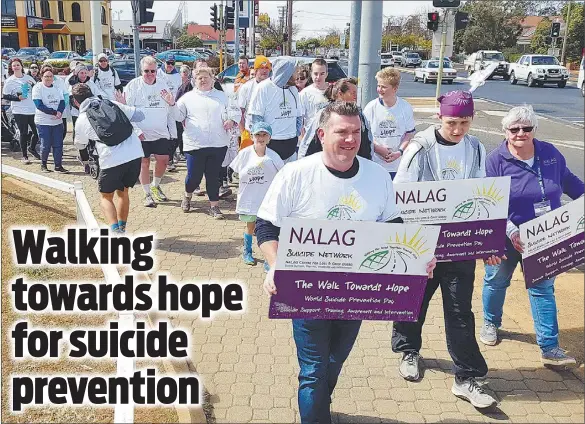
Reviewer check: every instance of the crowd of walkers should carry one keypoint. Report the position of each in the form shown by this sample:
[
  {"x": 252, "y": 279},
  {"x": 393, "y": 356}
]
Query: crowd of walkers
[{"x": 296, "y": 149}]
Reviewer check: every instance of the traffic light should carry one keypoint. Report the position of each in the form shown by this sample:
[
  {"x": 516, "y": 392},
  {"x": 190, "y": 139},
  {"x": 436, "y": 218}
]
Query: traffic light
[
  {"x": 461, "y": 20},
  {"x": 214, "y": 20},
  {"x": 555, "y": 29},
  {"x": 285, "y": 36},
  {"x": 446, "y": 3},
  {"x": 145, "y": 15},
  {"x": 433, "y": 21},
  {"x": 229, "y": 17}
]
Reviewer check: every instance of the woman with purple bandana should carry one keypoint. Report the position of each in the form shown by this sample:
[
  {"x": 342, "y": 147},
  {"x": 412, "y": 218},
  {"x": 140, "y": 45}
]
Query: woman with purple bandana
[
  {"x": 539, "y": 176},
  {"x": 441, "y": 153}
]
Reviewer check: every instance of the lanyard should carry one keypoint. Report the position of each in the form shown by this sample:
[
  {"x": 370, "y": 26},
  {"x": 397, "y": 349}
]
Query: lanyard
[{"x": 540, "y": 179}]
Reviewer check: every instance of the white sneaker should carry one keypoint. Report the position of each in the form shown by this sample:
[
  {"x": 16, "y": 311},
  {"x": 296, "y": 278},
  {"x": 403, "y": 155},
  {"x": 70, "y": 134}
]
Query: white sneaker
[{"x": 471, "y": 391}]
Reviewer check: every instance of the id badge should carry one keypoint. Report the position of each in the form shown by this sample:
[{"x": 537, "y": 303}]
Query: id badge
[{"x": 541, "y": 208}]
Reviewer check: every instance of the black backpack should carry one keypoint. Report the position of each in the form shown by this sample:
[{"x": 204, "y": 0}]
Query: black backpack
[{"x": 110, "y": 123}]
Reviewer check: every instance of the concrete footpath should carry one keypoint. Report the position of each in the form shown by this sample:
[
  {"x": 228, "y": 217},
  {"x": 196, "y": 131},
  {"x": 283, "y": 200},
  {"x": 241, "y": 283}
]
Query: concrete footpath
[{"x": 247, "y": 362}]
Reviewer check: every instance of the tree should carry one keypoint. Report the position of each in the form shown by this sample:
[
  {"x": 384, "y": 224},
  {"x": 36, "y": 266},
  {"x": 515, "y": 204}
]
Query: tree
[
  {"x": 186, "y": 41},
  {"x": 575, "y": 42},
  {"x": 308, "y": 43},
  {"x": 539, "y": 43},
  {"x": 271, "y": 35},
  {"x": 493, "y": 25}
]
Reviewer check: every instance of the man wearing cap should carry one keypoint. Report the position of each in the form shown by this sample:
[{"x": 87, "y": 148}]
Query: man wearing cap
[
  {"x": 106, "y": 77},
  {"x": 257, "y": 166},
  {"x": 244, "y": 74},
  {"x": 172, "y": 77},
  {"x": 442, "y": 153},
  {"x": 262, "y": 68},
  {"x": 276, "y": 101}
]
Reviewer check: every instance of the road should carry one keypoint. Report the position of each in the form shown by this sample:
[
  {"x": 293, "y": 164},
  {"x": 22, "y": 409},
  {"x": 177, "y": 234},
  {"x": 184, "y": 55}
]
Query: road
[{"x": 559, "y": 103}]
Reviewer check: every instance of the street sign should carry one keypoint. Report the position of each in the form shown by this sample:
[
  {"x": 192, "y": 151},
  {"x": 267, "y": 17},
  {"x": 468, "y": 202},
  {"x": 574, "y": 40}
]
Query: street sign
[
  {"x": 256, "y": 8},
  {"x": 554, "y": 52},
  {"x": 342, "y": 40},
  {"x": 147, "y": 28}
]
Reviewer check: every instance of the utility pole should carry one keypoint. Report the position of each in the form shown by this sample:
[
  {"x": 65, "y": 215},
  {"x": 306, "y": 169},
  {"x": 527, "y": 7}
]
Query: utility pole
[
  {"x": 252, "y": 9},
  {"x": 236, "y": 4},
  {"x": 136, "y": 36},
  {"x": 96, "y": 29},
  {"x": 289, "y": 10},
  {"x": 369, "y": 52},
  {"x": 442, "y": 54},
  {"x": 566, "y": 33},
  {"x": 354, "y": 37},
  {"x": 221, "y": 36}
]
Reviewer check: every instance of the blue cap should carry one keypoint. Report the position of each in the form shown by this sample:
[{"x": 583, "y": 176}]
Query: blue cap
[
  {"x": 261, "y": 127},
  {"x": 170, "y": 58}
]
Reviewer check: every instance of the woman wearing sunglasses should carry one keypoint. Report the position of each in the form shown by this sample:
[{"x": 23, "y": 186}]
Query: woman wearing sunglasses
[
  {"x": 539, "y": 176},
  {"x": 302, "y": 78},
  {"x": 33, "y": 71}
]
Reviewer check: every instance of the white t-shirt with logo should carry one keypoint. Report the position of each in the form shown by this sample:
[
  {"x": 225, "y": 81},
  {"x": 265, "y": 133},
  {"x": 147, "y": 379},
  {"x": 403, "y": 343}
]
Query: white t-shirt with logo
[
  {"x": 149, "y": 99},
  {"x": 14, "y": 85},
  {"x": 244, "y": 95},
  {"x": 312, "y": 99},
  {"x": 280, "y": 108},
  {"x": 388, "y": 125},
  {"x": 51, "y": 97},
  {"x": 255, "y": 173},
  {"x": 307, "y": 189},
  {"x": 107, "y": 81},
  {"x": 173, "y": 80},
  {"x": 451, "y": 160}
]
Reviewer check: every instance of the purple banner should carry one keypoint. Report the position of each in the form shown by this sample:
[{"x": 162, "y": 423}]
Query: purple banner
[
  {"x": 461, "y": 241},
  {"x": 555, "y": 260},
  {"x": 347, "y": 296}
]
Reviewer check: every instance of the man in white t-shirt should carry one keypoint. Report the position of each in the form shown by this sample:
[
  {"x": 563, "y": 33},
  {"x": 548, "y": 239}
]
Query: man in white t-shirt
[
  {"x": 318, "y": 187},
  {"x": 119, "y": 163},
  {"x": 391, "y": 120},
  {"x": 313, "y": 97},
  {"x": 262, "y": 68},
  {"x": 276, "y": 102},
  {"x": 106, "y": 78},
  {"x": 155, "y": 98}
]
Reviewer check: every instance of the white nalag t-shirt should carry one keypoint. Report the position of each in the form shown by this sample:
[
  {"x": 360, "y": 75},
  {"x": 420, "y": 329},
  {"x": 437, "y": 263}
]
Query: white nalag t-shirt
[
  {"x": 244, "y": 95},
  {"x": 312, "y": 99},
  {"x": 51, "y": 97},
  {"x": 149, "y": 99},
  {"x": 255, "y": 173},
  {"x": 307, "y": 189},
  {"x": 388, "y": 125},
  {"x": 451, "y": 160},
  {"x": 280, "y": 108},
  {"x": 109, "y": 156},
  {"x": 14, "y": 85}
]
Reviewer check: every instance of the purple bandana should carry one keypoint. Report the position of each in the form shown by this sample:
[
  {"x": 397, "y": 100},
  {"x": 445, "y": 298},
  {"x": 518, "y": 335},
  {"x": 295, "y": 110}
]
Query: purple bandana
[{"x": 458, "y": 104}]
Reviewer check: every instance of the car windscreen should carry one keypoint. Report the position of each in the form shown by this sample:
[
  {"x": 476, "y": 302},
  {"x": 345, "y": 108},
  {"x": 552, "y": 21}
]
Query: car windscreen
[
  {"x": 544, "y": 60},
  {"x": 386, "y": 55},
  {"x": 412, "y": 55},
  {"x": 335, "y": 72},
  {"x": 493, "y": 56},
  {"x": 436, "y": 65},
  {"x": 58, "y": 55}
]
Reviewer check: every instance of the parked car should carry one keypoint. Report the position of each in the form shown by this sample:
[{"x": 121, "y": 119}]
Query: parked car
[
  {"x": 397, "y": 56},
  {"x": 483, "y": 58},
  {"x": 33, "y": 54},
  {"x": 88, "y": 56},
  {"x": 411, "y": 59},
  {"x": 386, "y": 60},
  {"x": 580, "y": 82},
  {"x": 429, "y": 71},
  {"x": 125, "y": 69},
  {"x": 119, "y": 52},
  {"x": 180, "y": 55},
  {"x": 8, "y": 52},
  {"x": 538, "y": 69},
  {"x": 62, "y": 55}
]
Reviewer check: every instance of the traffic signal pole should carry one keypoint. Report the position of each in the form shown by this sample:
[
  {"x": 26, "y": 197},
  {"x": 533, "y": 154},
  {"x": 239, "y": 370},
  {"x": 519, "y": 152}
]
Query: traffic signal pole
[
  {"x": 136, "y": 37},
  {"x": 441, "y": 54},
  {"x": 566, "y": 33},
  {"x": 221, "y": 36},
  {"x": 236, "y": 31}
]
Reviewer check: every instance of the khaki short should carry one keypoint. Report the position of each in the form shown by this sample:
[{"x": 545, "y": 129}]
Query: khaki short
[{"x": 248, "y": 218}]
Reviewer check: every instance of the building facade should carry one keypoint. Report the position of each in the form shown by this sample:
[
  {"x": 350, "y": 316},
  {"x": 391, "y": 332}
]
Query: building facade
[
  {"x": 154, "y": 35},
  {"x": 55, "y": 24}
]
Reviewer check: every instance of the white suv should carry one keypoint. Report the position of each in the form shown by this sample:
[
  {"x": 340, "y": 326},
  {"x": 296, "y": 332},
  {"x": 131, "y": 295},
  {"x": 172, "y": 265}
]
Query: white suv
[{"x": 386, "y": 60}]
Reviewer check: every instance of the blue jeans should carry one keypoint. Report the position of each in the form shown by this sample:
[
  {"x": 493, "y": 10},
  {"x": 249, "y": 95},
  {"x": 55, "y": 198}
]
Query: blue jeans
[
  {"x": 51, "y": 136},
  {"x": 542, "y": 301},
  {"x": 322, "y": 347}
]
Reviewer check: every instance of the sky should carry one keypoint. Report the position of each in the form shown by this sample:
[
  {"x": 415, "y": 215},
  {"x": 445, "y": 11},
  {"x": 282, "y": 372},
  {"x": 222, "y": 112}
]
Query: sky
[{"x": 313, "y": 16}]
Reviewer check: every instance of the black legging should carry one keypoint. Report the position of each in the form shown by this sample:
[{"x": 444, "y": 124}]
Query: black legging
[
  {"x": 24, "y": 122},
  {"x": 64, "y": 128},
  {"x": 206, "y": 160}
]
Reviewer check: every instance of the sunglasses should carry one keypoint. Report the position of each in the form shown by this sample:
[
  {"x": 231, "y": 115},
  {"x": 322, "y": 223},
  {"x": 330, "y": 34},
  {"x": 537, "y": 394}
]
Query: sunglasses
[
  {"x": 103, "y": 60},
  {"x": 33, "y": 67},
  {"x": 170, "y": 63},
  {"x": 517, "y": 130},
  {"x": 301, "y": 78},
  {"x": 149, "y": 71}
]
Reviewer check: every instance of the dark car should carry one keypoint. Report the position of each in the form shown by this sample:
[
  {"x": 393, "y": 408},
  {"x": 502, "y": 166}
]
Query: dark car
[
  {"x": 33, "y": 54},
  {"x": 7, "y": 53},
  {"x": 125, "y": 69}
]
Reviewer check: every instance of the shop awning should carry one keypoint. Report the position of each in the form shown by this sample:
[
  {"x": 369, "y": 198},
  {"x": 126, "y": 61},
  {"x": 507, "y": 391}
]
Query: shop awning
[{"x": 56, "y": 29}]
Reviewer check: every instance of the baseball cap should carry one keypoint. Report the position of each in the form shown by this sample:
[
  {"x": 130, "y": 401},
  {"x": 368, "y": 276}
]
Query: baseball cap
[
  {"x": 170, "y": 58},
  {"x": 261, "y": 127},
  {"x": 262, "y": 62},
  {"x": 101, "y": 56}
]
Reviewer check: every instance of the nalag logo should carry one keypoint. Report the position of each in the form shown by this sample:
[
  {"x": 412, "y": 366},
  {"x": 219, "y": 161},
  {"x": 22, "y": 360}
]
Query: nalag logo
[
  {"x": 396, "y": 255},
  {"x": 580, "y": 225},
  {"x": 345, "y": 209},
  {"x": 480, "y": 205}
]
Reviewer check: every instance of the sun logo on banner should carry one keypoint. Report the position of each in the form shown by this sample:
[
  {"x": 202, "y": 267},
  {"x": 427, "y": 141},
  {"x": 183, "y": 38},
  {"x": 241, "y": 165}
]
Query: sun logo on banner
[
  {"x": 396, "y": 254},
  {"x": 479, "y": 206},
  {"x": 452, "y": 169},
  {"x": 346, "y": 207}
]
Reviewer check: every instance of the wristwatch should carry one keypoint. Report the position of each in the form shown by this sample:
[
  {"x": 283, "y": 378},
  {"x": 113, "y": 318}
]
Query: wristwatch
[{"x": 401, "y": 151}]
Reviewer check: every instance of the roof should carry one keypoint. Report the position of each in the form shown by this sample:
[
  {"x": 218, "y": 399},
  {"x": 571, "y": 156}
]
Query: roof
[
  {"x": 124, "y": 26},
  {"x": 533, "y": 21},
  {"x": 207, "y": 33}
]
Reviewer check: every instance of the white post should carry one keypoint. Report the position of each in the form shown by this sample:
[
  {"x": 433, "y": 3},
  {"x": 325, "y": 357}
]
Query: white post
[{"x": 96, "y": 28}]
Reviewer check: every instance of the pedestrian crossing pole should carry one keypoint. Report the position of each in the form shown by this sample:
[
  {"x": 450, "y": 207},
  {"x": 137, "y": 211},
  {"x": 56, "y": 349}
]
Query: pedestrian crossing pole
[
  {"x": 221, "y": 36},
  {"x": 441, "y": 54}
]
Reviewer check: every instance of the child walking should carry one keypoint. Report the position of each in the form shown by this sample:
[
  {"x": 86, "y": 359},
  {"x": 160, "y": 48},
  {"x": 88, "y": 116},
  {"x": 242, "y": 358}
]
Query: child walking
[{"x": 257, "y": 166}]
